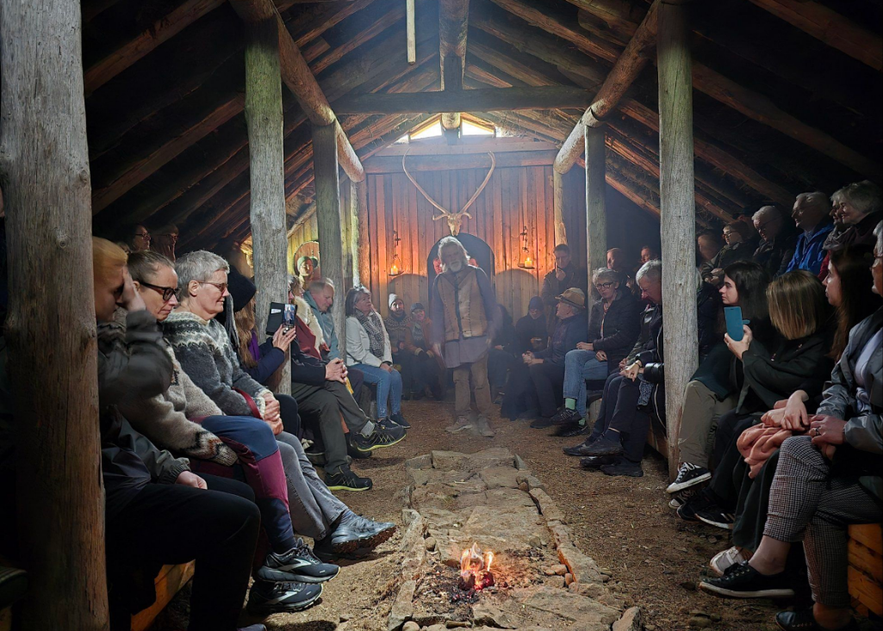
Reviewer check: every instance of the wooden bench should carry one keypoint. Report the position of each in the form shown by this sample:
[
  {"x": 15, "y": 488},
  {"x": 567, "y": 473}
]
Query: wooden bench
[
  {"x": 866, "y": 568},
  {"x": 169, "y": 581}
]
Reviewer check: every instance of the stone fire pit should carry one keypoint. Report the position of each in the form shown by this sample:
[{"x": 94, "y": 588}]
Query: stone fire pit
[{"x": 490, "y": 498}]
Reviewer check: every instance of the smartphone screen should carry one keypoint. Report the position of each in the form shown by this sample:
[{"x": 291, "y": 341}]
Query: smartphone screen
[
  {"x": 288, "y": 317},
  {"x": 733, "y": 316}
]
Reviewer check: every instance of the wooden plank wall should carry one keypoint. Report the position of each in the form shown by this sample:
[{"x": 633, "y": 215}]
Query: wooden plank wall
[{"x": 514, "y": 198}]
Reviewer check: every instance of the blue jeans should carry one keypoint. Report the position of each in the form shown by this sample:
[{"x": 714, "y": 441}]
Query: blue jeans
[
  {"x": 578, "y": 367},
  {"x": 389, "y": 388}
]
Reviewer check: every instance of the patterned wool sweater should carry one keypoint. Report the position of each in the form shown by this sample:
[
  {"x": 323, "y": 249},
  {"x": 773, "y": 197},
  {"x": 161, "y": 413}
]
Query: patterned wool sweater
[
  {"x": 165, "y": 418},
  {"x": 206, "y": 355}
]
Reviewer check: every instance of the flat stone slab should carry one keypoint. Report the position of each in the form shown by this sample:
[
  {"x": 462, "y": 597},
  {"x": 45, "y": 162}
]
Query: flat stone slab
[{"x": 490, "y": 498}]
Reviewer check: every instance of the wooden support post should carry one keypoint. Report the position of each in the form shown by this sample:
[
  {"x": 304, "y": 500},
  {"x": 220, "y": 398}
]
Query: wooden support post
[
  {"x": 364, "y": 265},
  {"x": 411, "y": 31},
  {"x": 596, "y": 210},
  {"x": 678, "y": 215},
  {"x": 50, "y": 327},
  {"x": 328, "y": 217},
  {"x": 354, "y": 237},
  {"x": 263, "y": 113},
  {"x": 558, "y": 205},
  {"x": 453, "y": 24}
]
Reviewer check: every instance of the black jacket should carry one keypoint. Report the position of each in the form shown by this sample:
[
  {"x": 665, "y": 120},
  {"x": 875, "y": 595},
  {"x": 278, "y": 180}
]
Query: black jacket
[
  {"x": 775, "y": 256},
  {"x": 527, "y": 328},
  {"x": 648, "y": 348},
  {"x": 621, "y": 324},
  {"x": 569, "y": 332},
  {"x": 708, "y": 305}
]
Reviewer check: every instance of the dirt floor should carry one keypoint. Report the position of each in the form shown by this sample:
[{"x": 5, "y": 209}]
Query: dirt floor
[{"x": 653, "y": 558}]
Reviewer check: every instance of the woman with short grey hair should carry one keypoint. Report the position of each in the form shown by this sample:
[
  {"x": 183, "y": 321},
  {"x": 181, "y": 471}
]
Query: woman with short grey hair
[{"x": 856, "y": 209}]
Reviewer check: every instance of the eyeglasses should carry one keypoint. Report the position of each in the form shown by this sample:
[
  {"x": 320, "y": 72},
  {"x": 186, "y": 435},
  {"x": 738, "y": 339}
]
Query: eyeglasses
[
  {"x": 222, "y": 287},
  {"x": 600, "y": 286},
  {"x": 143, "y": 235},
  {"x": 167, "y": 292}
]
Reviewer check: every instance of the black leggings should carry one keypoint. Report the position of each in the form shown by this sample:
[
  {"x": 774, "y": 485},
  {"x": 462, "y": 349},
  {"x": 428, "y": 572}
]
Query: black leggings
[{"x": 171, "y": 524}]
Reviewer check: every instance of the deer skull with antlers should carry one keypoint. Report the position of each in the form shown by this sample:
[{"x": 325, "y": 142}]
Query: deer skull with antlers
[{"x": 454, "y": 219}]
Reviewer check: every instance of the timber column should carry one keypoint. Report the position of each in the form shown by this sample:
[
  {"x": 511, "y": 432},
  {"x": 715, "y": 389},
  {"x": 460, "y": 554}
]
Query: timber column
[
  {"x": 52, "y": 363},
  {"x": 678, "y": 215},
  {"x": 558, "y": 207},
  {"x": 596, "y": 209},
  {"x": 263, "y": 113},
  {"x": 328, "y": 219}
]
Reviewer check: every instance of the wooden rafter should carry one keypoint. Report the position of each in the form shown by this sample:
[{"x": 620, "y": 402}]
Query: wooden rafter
[
  {"x": 453, "y": 25},
  {"x": 466, "y": 101}
]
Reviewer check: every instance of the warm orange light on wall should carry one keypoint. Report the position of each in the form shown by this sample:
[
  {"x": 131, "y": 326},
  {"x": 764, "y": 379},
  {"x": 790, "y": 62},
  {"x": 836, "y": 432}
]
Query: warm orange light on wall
[
  {"x": 526, "y": 261},
  {"x": 395, "y": 269}
]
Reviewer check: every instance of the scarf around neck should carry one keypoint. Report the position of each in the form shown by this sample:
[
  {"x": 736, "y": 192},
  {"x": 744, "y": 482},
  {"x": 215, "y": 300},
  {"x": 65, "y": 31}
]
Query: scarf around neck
[{"x": 374, "y": 328}]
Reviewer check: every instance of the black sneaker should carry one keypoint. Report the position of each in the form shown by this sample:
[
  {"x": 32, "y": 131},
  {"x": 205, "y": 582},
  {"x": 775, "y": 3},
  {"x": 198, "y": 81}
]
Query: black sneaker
[
  {"x": 743, "y": 581},
  {"x": 630, "y": 469},
  {"x": 806, "y": 621},
  {"x": 717, "y": 517},
  {"x": 343, "y": 479},
  {"x": 378, "y": 439},
  {"x": 579, "y": 450},
  {"x": 604, "y": 447},
  {"x": 681, "y": 497},
  {"x": 267, "y": 598},
  {"x": 596, "y": 462},
  {"x": 542, "y": 422},
  {"x": 399, "y": 420},
  {"x": 352, "y": 451},
  {"x": 566, "y": 416},
  {"x": 354, "y": 532},
  {"x": 700, "y": 501},
  {"x": 688, "y": 475},
  {"x": 572, "y": 430},
  {"x": 298, "y": 565}
]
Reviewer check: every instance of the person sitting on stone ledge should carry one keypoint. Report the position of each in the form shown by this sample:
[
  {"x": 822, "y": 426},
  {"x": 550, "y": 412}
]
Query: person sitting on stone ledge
[
  {"x": 531, "y": 333},
  {"x": 614, "y": 326},
  {"x": 535, "y": 386},
  {"x": 564, "y": 276},
  {"x": 405, "y": 354}
]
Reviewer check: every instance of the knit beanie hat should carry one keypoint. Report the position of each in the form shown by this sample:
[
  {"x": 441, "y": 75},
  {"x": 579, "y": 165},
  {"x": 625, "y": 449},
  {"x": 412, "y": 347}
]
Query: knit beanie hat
[
  {"x": 535, "y": 303},
  {"x": 417, "y": 306},
  {"x": 241, "y": 289},
  {"x": 393, "y": 298}
]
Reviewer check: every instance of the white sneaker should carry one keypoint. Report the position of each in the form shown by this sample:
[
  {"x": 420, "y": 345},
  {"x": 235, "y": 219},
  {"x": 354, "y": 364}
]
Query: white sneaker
[
  {"x": 723, "y": 560},
  {"x": 462, "y": 423}
]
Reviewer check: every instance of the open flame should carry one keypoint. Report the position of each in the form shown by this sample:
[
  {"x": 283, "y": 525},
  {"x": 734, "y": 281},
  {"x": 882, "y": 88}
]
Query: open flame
[{"x": 475, "y": 569}]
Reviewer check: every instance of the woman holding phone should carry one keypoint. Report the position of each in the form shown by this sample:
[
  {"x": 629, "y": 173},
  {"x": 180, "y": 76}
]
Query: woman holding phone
[{"x": 712, "y": 391}]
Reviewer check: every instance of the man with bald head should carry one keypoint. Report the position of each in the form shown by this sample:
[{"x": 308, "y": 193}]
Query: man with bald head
[
  {"x": 778, "y": 240},
  {"x": 810, "y": 215}
]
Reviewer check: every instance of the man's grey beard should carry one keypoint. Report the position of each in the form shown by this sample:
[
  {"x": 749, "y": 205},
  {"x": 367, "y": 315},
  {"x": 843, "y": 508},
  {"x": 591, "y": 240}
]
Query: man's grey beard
[{"x": 455, "y": 266}]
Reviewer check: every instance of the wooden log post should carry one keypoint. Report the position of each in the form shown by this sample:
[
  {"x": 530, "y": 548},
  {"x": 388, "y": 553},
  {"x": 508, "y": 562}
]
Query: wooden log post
[
  {"x": 50, "y": 327},
  {"x": 678, "y": 216},
  {"x": 558, "y": 207},
  {"x": 364, "y": 262},
  {"x": 263, "y": 113},
  {"x": 328, "y": 217},
  {"x": 596, "y": 210},
  {"x": 453, "y": 24}
]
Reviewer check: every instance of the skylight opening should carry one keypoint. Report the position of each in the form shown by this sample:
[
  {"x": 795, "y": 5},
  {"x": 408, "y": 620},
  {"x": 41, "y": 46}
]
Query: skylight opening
[
  {"x": 471, "y": 129},
  {"x": 429, "y": 132}
]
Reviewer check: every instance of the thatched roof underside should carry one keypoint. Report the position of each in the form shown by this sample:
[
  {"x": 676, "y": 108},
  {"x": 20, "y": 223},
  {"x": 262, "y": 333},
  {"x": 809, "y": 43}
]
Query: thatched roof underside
[{"x": 777, "y": 111}]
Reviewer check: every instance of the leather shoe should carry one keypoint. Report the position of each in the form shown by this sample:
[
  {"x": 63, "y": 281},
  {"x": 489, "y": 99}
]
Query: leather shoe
[
  {"x": 604, "y": 447},
  {"x": 804, "y": 621},
  {"x": 596, "y": 462},
  {"x": 579, "y": 450},
  {"x": 571, "y": 429}
]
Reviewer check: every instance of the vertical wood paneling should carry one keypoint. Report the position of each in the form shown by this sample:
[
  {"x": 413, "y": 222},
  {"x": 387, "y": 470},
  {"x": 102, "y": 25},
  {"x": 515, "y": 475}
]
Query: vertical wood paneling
[{"x": 513, "y": 198}]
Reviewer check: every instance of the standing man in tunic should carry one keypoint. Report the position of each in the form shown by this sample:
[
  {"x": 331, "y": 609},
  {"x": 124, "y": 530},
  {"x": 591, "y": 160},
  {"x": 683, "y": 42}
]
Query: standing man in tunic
[{"x": 465, "y": 316}]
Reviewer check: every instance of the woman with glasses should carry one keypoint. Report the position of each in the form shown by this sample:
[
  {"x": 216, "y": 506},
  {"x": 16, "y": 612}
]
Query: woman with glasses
[
  {"x": 614, "y": 325},
  {"x": 133, "y": 238}
]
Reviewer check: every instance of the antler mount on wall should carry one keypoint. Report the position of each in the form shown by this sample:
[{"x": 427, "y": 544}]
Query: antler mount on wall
[{"x": 454, "y": 219}]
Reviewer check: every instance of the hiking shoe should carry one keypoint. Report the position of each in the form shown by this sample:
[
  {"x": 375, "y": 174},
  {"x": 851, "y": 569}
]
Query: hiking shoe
[
  {"x": 743, "y": 581},
  {"x": 688, "y": 475},
  {"x": 387, "y": 424},
  {"x": 399, "y": 420},
  {"x": 630, "y": 469},
  {"x": 603, "y": 447},
  {"x": 596, "y": 462},
  {"x": 571, "y": 430},
  {"x": 343, "y": 479},
  {"x": 722, "y": 561},
  {"x": 717, "y": 517},
  {"x": 542, "y": 422},
  {"x": 462, "y": 423},
  {"x": 483, "y": 425},
  {"x": 566, "y": 416},
  {"x": 681, "y": 497},
  {"x": 579, "y": 450},
  {"x": 298, "y": 565},
  {"x": 806, "y": 621},
  {"x": 267, "y": 598},
  {"x": 354, "y": 532},
  {"x": 352, "y": 450},
  {"x": 378, "y": 439}
]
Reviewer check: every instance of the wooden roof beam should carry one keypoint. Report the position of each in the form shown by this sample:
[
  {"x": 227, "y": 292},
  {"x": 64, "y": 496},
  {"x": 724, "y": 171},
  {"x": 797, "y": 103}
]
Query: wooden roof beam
[
  {"x": 453, "y": 25},
  {"x": 624, "y": 72},
  {"x": 830, "y": 27},
  {"x": 296, "y": 74},
  {"x": 453, "y": 101}
]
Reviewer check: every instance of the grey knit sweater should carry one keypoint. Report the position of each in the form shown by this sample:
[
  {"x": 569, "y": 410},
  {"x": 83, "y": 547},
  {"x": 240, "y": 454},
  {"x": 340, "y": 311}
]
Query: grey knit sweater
[
  {"x": 206, "y": 355},
  {"x": 165, "y": 418}
]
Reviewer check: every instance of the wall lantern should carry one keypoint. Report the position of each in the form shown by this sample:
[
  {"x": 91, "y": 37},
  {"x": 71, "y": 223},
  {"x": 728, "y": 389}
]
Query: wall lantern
[
  {"x": 526, "y": 260},
  {"x": 396, "y": 268}
]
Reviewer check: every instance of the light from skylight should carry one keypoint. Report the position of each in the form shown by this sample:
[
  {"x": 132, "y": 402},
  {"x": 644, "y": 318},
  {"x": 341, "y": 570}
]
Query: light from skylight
[
  {"x": 471, "y": 129},
  {"x": 430, "y": 132}
]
